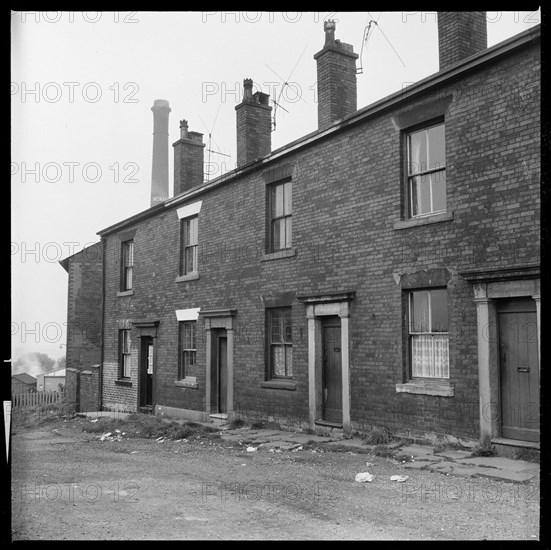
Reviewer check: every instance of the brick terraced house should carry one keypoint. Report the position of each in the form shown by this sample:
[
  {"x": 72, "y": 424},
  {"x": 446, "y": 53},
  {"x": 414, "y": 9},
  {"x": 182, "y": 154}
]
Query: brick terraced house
[{"x": 383, "y": 270}]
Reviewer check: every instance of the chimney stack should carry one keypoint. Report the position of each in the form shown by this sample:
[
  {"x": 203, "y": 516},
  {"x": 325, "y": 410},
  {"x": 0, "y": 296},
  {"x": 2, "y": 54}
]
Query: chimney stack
[
  {"x": 188, "y": 159},
  {"x": 159, "y": 167},
  {"x": 460, "y": 35},
  {"x": 254, "y": 125},
  {"x": 336, "y": 64}
]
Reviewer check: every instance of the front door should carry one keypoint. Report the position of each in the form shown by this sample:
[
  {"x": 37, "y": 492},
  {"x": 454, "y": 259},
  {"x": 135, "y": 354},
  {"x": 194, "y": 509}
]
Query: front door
[
  {"x": 146, "y": 372},
  {"x": 222, "y": 374},
  {"x": 219, "y": 372},
  {"x": 519, "y": 369},
  {"x": 332, "y": 371}
]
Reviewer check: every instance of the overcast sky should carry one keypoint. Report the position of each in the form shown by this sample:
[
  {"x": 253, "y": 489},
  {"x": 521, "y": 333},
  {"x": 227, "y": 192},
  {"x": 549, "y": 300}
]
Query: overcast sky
[{"x": 82, "y": 87}]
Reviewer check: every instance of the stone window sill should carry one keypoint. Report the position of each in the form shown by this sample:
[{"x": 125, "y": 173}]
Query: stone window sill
[
  {"x": 279, "y": 385},
  {"x": 415, "y": 222},
  {"x": 125, "y": 293},
  {"x": 287, "y": 253},
  {"x": 188, "y": 382},
  {"x": 189, "y": 277},
  {"x": 124, "y": 382},
  {"x": 427, "y": 387}
]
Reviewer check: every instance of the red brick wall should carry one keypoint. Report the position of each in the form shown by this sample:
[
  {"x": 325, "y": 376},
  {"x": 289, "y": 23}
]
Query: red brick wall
[{"x": 347, "y": 195}]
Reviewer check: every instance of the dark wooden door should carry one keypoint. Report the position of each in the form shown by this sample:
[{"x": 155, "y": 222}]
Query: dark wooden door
[
  {"x": 146, "y": 372},
  {"x": 332, "y": 371},
  {"x": 222, "y": 373},
  {"x": 519, "y": 370}
]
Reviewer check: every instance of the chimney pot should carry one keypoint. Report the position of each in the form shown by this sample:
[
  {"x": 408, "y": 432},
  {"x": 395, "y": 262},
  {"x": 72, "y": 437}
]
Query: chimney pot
[
  {"x": 183, "y": 129},
  {"x": 247, "y": 89},
  {"x": 329, "y": 27}
]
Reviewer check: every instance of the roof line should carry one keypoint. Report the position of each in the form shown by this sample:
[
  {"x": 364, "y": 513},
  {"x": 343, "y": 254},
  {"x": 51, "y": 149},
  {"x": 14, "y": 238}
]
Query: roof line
[{"x": 466, "y": 65}]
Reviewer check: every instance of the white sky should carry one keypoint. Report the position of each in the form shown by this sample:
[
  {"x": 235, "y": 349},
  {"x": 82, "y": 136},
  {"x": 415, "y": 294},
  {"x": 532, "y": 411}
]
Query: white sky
[{"x": 83, "y": 84}]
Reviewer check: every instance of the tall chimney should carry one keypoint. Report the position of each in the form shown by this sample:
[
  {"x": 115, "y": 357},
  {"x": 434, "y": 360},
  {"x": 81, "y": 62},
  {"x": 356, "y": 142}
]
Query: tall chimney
[
  {"x": 188, "y": 159},
  {"x": 159, "y": 165},
  {"x": 460, "y": 35},
  {"x": 336, "y": 63},
  {"x": 254, "y": 125}
]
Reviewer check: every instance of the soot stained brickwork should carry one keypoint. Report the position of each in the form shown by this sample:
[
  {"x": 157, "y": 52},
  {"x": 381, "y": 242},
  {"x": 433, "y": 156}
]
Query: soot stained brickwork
[{"x": 351, "y": 235}]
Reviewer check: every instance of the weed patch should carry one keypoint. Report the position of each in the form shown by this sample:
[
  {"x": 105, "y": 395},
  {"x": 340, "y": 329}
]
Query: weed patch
[
  {"x": 529, "y": 455},
  {"x": 146, "y": 426},
  {"x": 483, "y": 450}
]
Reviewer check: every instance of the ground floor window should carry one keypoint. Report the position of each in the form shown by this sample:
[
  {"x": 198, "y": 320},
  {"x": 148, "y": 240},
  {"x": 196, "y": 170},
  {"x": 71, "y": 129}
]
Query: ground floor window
[
  {"x": 188, "y": 348},
  {"x": 280, "y": 342},
  {"x": 124, "y": 346},
  {"x": 428, "y": 333}
]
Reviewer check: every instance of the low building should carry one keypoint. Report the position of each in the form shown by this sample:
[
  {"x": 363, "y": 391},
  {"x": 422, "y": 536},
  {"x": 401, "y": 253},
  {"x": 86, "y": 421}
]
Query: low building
[{"x": 22, "y": 383}]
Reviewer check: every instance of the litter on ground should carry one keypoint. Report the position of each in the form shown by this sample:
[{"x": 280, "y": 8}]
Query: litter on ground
[
  {"x": 399, "y": 479},
  {"x": 364, "y": 476}
]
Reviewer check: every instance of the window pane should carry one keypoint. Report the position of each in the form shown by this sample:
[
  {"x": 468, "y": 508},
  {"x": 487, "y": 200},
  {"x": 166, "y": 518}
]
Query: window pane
[
  {"x": 441, "y": 363},
  {"x": 128, "y": 278},
  {"x": 193, "y": 224},
  {"x": 186, "y": 233},
  {"x": 278, "y": 360},
  {"x": 289, "y": 360},
  {"x": 430, "y": 356},
  {"x": 438, "y": 181},
  {"x": 437, "y": 147},
  {"x": 190, "y": 259},
  {"x": 417, "y": 147},
  {"x": 420, "y": 311},
  {"x": 288, "y": 232},
  {"x": 277, "y": 201},
  {"x": 288, "y": 198},
  {"x": 421, "y": 353},
  {"x": 126, "y": 366},
  {"x": 439, "y": 310},
  {"x": 276, "y": 234},
  {"x": 420, "y": 195},
  {"x": 275, "y": 325},
  {"x": 288, "y": 326}
]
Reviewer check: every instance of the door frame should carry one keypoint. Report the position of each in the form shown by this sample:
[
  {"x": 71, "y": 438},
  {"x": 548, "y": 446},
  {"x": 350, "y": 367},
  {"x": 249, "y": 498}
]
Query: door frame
[
  {"x": 217, "y": 334},
  {"x": 317, "y": 307},
  {"x": 146, "y": 330},
  {"x": 219, "y": 319},
  {"x": 326, "y": 323},
  {"x": 486, "y": 294}
]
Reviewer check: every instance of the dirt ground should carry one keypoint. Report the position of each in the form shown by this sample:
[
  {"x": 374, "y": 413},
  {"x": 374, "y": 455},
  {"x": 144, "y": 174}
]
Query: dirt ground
[{"x": 67, "y": 484}]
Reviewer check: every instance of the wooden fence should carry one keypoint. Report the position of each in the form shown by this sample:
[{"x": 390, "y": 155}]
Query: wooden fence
[{"x": 34, "y": 399}]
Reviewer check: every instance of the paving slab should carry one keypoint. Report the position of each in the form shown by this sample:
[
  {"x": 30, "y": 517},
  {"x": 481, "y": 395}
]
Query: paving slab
[
  {"x": 418, "y": 465},
  {"x": 464, "y": 472},
  {"x": 454, "y": 455},
  {"x": 498, "y": 462},
  {"x": 494, "y": 473},
  {"x": 442, "y": 466},
  {"x": 418, "y": 450}
]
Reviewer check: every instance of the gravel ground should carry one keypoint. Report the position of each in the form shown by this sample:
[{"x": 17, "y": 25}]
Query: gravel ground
[{"x": 67, "y": 484}]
